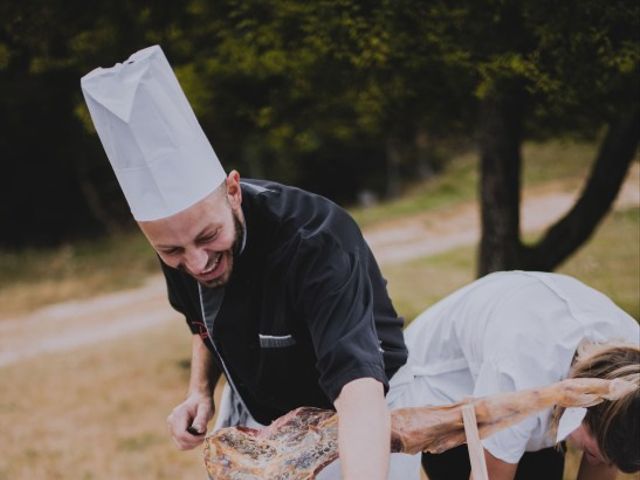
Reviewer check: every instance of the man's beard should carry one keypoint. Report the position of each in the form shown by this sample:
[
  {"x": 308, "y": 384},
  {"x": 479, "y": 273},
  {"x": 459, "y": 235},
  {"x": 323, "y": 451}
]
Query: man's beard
[{"x": 236, "y": 249}]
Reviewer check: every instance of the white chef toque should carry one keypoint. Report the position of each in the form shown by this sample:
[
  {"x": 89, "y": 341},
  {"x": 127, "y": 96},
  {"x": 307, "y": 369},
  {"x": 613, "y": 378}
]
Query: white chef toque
[{"x": 161, "y": 157}]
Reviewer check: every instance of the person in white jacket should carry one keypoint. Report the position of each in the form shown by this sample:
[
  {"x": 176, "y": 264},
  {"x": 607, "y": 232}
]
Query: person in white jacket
[{"x": 518, "y": 330}]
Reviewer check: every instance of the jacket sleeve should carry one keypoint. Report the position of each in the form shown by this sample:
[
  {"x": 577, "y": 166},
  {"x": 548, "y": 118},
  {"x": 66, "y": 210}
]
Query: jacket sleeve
[
  {"x": 184, "y": 298},
  {"x": 334, "y": 295}
]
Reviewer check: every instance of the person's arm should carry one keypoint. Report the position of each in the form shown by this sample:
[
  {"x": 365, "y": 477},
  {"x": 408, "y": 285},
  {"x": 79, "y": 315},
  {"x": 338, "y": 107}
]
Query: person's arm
[
  {"x": 592, "y": 471},
  {"x": 364, "y": 430},
  {"x": 498, "y": 469},
  {"x": 198, "y": 408}
]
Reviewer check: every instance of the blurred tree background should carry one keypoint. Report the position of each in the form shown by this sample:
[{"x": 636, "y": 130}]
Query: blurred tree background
[{"x": 336, "y": 96}]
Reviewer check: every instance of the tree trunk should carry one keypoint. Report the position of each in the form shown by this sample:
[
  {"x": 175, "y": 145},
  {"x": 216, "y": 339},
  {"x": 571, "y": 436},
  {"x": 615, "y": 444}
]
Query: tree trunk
[
  {"x": 425, "y": 159},
  {"x": 500, "y": 138},
  {"x": 92, "y": 194},
  {"x": 609, "y": 170},
  {"x": 392, "y": 188},
  {"x": 95, "y": 205}
]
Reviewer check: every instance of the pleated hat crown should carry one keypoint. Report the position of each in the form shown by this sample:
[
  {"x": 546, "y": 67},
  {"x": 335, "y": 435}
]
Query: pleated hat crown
[{"x": 159, "y": 153}]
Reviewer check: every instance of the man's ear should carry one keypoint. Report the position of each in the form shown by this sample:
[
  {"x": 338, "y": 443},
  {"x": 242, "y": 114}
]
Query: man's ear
[{"x": 234, "y": 192}]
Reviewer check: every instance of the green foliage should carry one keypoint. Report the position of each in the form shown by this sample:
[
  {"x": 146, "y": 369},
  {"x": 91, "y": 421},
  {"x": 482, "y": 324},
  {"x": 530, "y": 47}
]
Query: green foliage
[
  {"x": 331, "y": 95},
  {"x": 4, "y": 56}
]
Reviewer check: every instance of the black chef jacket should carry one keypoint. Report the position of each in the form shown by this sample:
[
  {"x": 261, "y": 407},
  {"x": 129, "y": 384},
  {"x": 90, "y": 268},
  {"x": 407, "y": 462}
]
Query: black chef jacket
[{"x": 305, "y": 310}]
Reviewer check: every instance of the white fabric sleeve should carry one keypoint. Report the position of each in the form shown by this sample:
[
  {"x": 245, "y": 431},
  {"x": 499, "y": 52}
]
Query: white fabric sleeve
[{"x": 505, "y": 375}]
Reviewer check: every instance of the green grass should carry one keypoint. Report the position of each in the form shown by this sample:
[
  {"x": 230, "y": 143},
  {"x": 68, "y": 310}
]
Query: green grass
[
  {"x": 457, "y": 183},
  {"x": 32, "y": 278},
  {"x": 80, "y": 258},
  {"x": 610, "y": 262},
  {"x": 418, "y": 284},
  {"x": 557, "y": 160}
]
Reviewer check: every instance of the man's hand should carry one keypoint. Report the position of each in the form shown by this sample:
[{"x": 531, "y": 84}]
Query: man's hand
[
  {"x": 364, "y": 430},
  {"x": 194, "y": 412}
]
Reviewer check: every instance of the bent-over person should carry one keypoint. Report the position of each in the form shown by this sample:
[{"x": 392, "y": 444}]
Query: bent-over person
[
  {"x": 517, "y": 330},
  {"x": 278, "y": 286}
]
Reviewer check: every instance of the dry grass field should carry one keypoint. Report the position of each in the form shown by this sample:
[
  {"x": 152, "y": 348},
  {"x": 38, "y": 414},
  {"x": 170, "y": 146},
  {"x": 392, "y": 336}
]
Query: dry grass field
[{"x": 98, "y": 412}]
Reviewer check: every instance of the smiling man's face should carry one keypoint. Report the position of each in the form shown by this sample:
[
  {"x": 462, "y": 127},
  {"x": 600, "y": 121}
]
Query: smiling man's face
[{"x": 203, "y": 239}]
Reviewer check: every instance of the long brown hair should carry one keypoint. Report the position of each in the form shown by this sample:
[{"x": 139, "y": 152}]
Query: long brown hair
[{"x": 614, "y": 424}]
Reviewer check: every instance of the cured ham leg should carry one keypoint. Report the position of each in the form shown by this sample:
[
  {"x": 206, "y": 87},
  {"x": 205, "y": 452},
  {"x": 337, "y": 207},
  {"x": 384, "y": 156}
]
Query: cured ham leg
[
  {"x": 436, "y": 429},
  {"x": 301, "y": 443}
]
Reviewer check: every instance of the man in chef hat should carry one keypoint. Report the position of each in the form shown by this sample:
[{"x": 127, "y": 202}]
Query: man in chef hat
[
  {"x": 284, "y": 297},
  {"x": 277, "y": 285}
]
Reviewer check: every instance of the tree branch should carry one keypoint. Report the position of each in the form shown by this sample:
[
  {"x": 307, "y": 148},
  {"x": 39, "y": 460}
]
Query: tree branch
[
  {"x": 609, "y": 170},
  {"x": 500, "y": 138}
]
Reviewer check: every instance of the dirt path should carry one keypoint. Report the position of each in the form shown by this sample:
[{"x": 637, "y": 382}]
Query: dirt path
[
  {"x": 435, "y": 232},
  {"x": 70, "y": 325}
]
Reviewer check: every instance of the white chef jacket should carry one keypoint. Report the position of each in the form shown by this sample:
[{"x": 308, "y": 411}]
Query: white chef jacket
[{"x": 504, "y": 332}]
